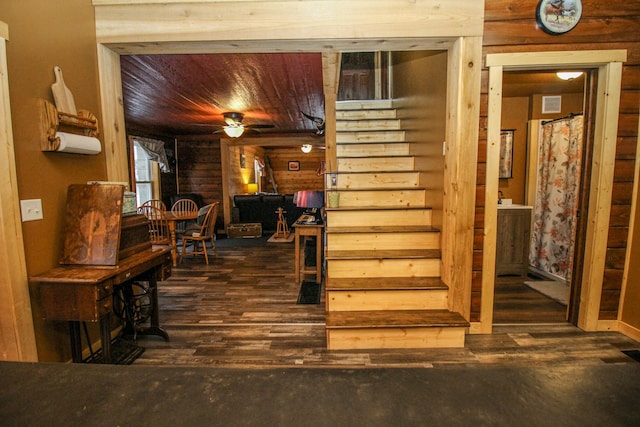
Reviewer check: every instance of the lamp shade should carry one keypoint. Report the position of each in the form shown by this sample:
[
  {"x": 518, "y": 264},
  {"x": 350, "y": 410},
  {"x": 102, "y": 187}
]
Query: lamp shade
[
  {"x": 252, "y": 187},
  {"x": 309, "y": 199},
  {"x": 234, "y": 131}
]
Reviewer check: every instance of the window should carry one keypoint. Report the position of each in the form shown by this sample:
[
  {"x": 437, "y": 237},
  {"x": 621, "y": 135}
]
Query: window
[{"x": 145, "y": 176}]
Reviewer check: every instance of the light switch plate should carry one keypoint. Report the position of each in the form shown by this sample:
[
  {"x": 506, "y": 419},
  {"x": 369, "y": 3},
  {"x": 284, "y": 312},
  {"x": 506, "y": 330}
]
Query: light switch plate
[{"x": 31, "y": 209}]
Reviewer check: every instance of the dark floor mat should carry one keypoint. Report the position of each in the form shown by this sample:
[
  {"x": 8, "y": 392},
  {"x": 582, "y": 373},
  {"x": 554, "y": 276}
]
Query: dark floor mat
[
  {"x": 634, "y": 354},
  {"x": 309, "y": 293}
]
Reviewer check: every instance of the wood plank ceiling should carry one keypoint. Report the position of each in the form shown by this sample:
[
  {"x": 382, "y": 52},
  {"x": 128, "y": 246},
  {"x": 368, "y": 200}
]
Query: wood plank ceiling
[{"x": 187, "y": 94}]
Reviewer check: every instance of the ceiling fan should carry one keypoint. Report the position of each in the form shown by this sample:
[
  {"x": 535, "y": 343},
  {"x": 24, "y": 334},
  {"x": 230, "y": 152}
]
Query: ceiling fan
[{"x": 234, "y": 128}]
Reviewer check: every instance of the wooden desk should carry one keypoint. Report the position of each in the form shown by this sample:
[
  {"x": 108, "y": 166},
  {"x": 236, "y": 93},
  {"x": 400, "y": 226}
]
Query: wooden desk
[
  {"x": 85, "y": 294},
  {"x": 172, "y": 219},
  {"x": 305, "y": 230}
]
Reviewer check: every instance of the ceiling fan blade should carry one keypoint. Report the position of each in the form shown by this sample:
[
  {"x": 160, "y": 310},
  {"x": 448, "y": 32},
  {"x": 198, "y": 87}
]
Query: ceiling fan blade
[{"x": 260, "y": 126}]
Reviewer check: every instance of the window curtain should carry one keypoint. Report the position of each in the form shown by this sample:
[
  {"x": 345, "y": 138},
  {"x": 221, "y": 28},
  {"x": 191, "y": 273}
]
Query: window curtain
[
  {"x": 556, "y": 202},
  {"x": 155, "y": 149}
]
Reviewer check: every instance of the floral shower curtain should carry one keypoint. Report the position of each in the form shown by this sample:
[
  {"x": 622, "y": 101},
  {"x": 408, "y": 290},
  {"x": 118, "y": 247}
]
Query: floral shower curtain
[{"x": 556, "y": 202}]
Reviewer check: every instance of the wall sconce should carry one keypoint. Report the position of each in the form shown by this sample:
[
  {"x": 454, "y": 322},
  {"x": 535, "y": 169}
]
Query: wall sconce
[
  {"x": 306, "y": 148},
  {"x": 569, "y": 75},
  {"x": 252, "y": 187}
]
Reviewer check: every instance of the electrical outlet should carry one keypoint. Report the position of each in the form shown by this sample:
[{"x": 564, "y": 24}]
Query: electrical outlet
[
  {"x": 334, "y": 179},
  {"x": 31, "y": 209}
]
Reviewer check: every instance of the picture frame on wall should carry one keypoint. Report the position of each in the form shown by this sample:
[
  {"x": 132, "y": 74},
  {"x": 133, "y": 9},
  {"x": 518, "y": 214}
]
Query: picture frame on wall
[
  {"x": 294, "y": 165},
  {"x": 506, "y": 154},
  {"x": 557, "y": 17}
]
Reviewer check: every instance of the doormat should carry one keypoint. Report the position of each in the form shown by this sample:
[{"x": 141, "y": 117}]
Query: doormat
[
  {"x": 309, "y": 293},
  {"x": 554, "y": 290},
  {"x": 634, "y": 354},
  {"x": 288, "y": 239}
]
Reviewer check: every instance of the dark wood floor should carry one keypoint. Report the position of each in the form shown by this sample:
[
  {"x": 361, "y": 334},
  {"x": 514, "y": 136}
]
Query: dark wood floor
[
  {"x": 242, "y": 311},
  {"x": 514, "y": 302}
]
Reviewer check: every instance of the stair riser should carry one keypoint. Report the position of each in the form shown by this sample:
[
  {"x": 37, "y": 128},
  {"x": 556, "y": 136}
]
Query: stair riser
[
  {"x": 338, "y": 268},
  {"x": 364, "y": 105},
  {"x": 343, "y": 218},
  {"x": 376, "y": 180},
  {"x": 377, "y": 114},
  {"x": 373, "y": 150},
  {"x": 370, "y": 137},
  {"x": 367, "y": 125},
  {"x": 376, "y": 164},
  {"x": 402, "y": 198},
  {"x": 386, "y": 300},
  {"x": 419, "y": 337},
  {"x": 380, "y": 241}
]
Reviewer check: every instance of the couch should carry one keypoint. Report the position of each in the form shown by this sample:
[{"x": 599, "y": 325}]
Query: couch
[{"x": 262, "y": 208}]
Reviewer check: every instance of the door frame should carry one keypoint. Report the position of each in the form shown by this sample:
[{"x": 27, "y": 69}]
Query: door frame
[
  {"x": 17, "y": 340},
  {"x": 609, "y": 66}
]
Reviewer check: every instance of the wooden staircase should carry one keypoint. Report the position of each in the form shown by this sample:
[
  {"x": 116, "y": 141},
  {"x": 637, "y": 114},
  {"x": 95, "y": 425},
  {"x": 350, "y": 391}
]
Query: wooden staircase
[{"x": 383, "y": 286}]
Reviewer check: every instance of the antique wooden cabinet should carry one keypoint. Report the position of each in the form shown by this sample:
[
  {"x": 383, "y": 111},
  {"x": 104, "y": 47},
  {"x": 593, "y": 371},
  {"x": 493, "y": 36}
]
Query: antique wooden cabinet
[{"x": 512, "y": 246}]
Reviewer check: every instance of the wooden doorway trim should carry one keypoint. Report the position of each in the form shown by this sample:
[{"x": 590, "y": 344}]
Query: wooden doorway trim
[
  {"x": 609, "y": 66},
  {"x": 17, "y": 339},
  {"x": 463, "y": 76}
]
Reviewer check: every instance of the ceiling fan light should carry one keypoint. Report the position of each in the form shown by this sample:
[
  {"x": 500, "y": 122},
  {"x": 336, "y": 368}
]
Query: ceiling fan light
[
  {"x": 306, "y": 148},
  {"x": 234, "y": 131},
  {"x": 569, "y": 75}
]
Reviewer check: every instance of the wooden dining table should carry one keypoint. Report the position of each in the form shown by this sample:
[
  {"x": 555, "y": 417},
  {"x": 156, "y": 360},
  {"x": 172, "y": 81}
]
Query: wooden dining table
[{"x": 172, "y": 219}]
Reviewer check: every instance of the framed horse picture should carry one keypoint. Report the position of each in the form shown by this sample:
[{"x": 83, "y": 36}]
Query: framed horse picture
[{"x": 558, "y": 16}]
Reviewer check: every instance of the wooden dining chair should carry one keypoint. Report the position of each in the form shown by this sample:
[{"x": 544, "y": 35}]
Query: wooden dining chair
[
  {"x": 159, "y": 233},
  {"x": 183, "y": 206},
  {"x": 156, "y": 203},
  {"x": 201, "y": 236}
]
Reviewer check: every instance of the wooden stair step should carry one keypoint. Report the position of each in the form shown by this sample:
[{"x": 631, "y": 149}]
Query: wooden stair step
[
  {"x": 384, "y": 254},
  {"x": 376, "y": 164},
  {"x": 395, "y": 319},
  {"x": 368, "y": 114},
  {"x": 384, "y": 229},
  {"x": 383, "y": 216},
  {"x": 381, "y": 179},
  {"x": 383, "y": 149},
  {"x": 367, "y": 125},
  {"x": 378, "y": 208},
  {"x": 395, "y": 197},
  {"x": 370, "y": 137},
  {"x": 354, "y": 330},
  {"x": 385, "y": 283},
  {"x": 364, "y": 104},
  {"x": 381, "y": 189}
]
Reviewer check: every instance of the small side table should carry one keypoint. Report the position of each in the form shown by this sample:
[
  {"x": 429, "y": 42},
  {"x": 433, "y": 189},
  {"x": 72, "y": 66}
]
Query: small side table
[{"x": 305, "y": 230}]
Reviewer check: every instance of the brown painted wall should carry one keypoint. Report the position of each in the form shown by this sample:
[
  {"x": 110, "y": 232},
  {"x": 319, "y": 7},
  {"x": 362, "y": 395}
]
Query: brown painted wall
[
  {"x": 631, "y": 310},
  {"x": 515, "y": 115},
  {"x": 43, "y": 34},
  {"x": 510, "y": 27}
]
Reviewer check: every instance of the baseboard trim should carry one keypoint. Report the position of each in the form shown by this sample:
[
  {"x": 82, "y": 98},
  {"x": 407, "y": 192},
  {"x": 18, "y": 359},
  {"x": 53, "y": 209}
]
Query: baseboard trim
[
  {"x": 628, "y": 330},
  {"x": 607, "y": 325}
]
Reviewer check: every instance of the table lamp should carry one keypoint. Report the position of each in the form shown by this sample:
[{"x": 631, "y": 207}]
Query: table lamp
[{"x": 252, "y": 188}]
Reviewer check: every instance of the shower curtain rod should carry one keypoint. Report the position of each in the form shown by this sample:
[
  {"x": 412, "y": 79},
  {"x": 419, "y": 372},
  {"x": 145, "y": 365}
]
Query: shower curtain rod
[{"x": 568, "y": 116}]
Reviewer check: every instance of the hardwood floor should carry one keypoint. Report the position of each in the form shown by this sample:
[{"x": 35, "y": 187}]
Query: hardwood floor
[
  {"x": 241, "y": 311},
  {"x": 514, "y": 302}
]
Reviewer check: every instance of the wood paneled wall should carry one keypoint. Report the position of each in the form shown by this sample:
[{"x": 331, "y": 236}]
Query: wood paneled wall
[
  {"x": 199, "y": 168},
  {"x": 510, "y": 26},
  {"x": 290, "y": 181}
]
